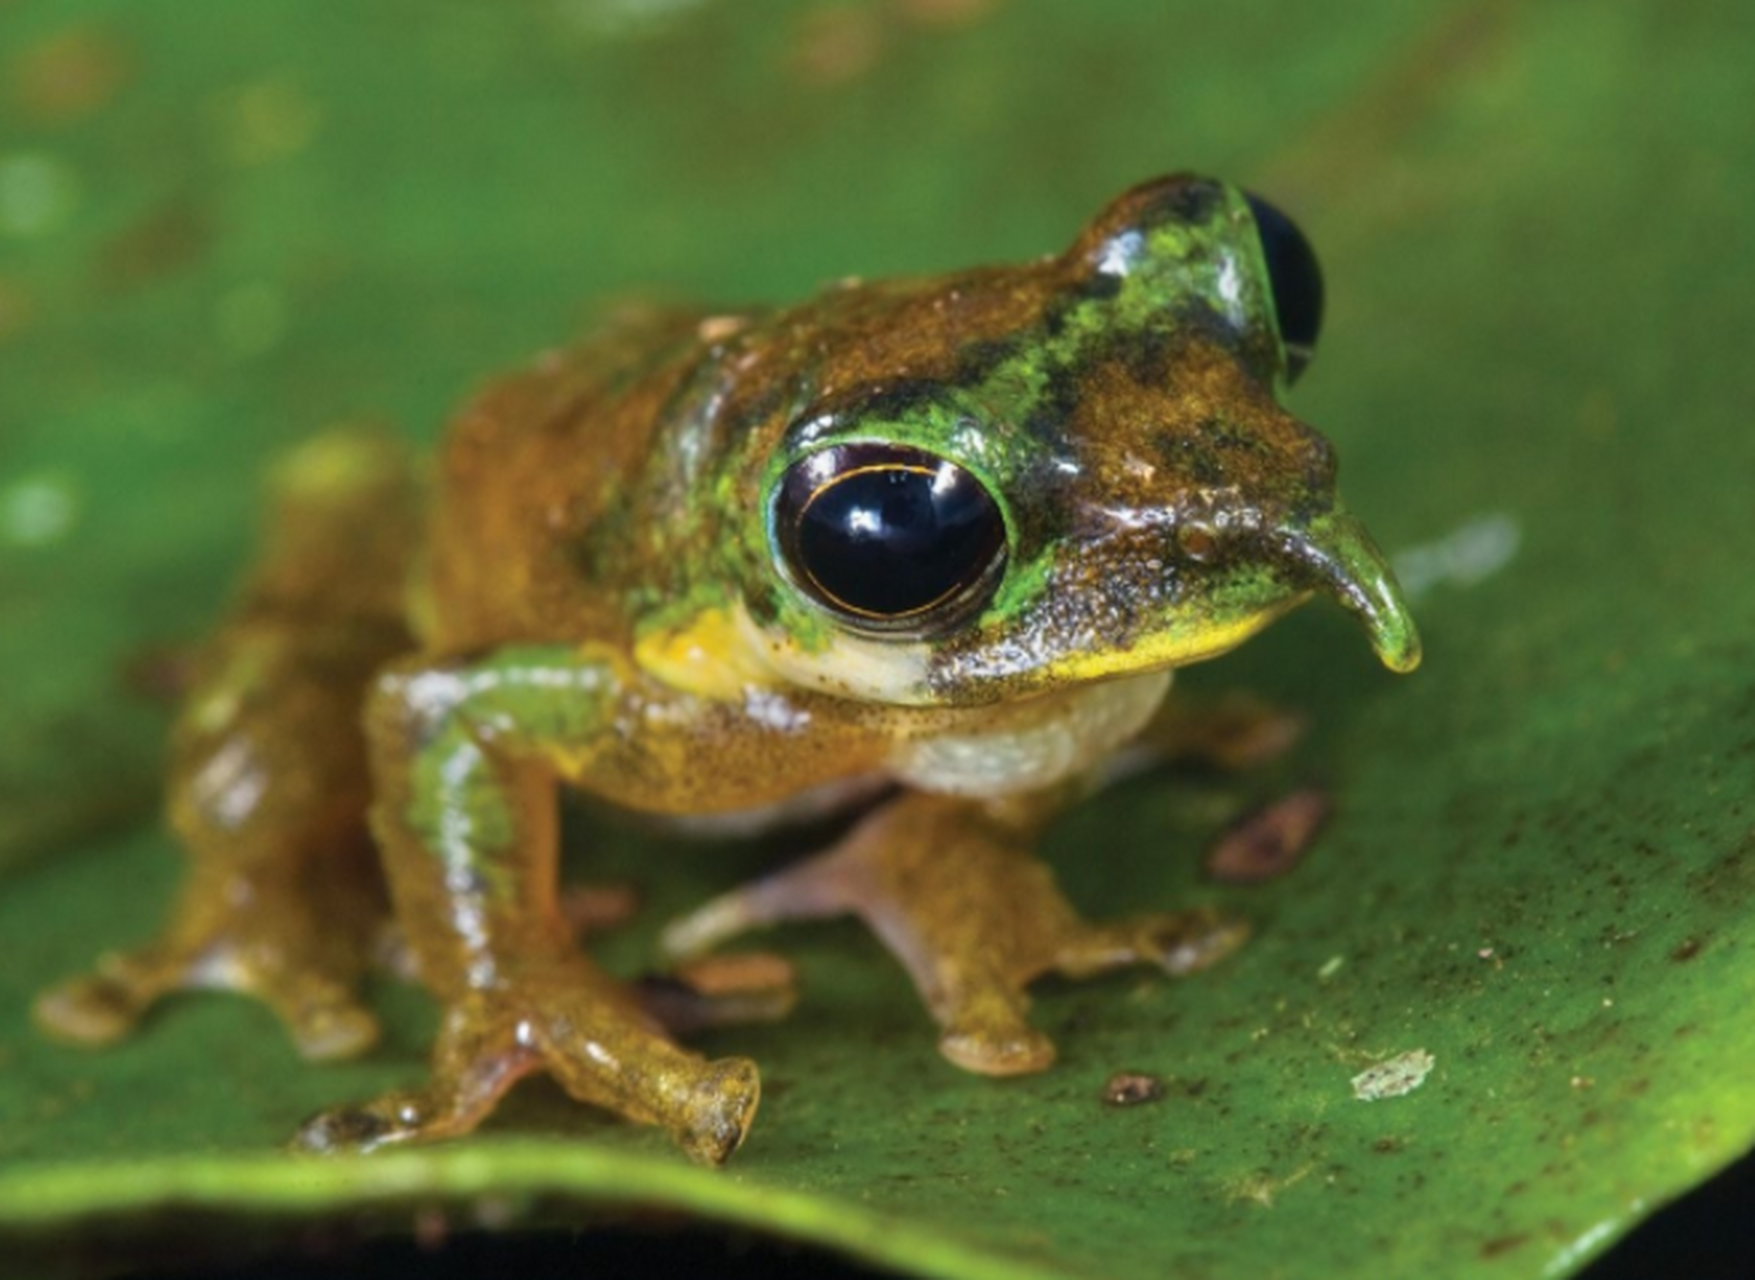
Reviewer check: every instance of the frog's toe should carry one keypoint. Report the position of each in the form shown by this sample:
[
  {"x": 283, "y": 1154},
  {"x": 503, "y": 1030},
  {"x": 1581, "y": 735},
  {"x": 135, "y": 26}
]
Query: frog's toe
[
  {"x": 416, "y": 1115},
  {"x": 1185, "y": 942},
  {"x": 321, "y": 1015},
  {"x": 720, "y": 991},
  {"x": 826, "y": 885},
  {"x": 1017, "y": 1051},
  {"x": 714, "y": 1120},
  {"x": 99, "y": 1008},
  {"x": 985, "y": 1024},
  {"x": 331, "y": 1031},
  {"x": 707, "y": 1106},
  {"x": 352, "y": 1130},
  {"x": 1178, "y": 942},
  {"x": 475, "y": 1060}
]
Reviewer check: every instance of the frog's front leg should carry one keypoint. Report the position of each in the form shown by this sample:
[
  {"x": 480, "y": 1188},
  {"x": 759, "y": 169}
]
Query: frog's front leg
[
  {"x": 466, "y": 761},
  {"x": 950, "y": 887}
]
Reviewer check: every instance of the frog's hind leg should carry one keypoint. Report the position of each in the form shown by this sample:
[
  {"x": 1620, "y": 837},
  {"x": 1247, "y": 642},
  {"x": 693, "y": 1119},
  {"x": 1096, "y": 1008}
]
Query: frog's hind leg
[
  {"x": 269, "y": 782},
  {"x": 950, "y": 887}
]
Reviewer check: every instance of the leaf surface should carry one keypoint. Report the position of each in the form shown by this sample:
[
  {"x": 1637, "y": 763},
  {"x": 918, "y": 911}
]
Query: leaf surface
[{"x": 218, "y": 236}]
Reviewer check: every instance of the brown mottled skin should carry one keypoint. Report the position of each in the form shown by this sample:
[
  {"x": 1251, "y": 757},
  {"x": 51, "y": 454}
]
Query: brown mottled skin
[{"x": 611, "y": 587}]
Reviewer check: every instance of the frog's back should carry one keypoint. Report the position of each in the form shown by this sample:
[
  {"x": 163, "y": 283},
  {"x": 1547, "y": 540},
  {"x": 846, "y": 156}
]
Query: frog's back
[
  {"x": 590, "y": 488},
  {"x": 526, "y": 472}
]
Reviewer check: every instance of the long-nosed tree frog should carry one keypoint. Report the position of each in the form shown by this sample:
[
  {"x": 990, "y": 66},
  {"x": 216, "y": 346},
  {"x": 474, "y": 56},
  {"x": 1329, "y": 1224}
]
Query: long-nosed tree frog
[{"x": 940, "y": 541}]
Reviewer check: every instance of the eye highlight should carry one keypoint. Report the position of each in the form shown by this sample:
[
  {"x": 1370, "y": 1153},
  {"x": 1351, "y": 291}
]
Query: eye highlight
[
  {"x": 889, "y": 537},
  {"x": 1296, "y": 280}
]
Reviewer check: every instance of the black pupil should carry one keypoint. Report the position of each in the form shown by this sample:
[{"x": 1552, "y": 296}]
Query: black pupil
[
  {"x": 1296, "y": 280},
  {"x": 890, "y": 538}
]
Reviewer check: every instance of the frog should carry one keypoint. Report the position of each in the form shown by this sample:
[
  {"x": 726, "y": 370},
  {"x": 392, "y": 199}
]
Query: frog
[{"x": 926, "y": 549}]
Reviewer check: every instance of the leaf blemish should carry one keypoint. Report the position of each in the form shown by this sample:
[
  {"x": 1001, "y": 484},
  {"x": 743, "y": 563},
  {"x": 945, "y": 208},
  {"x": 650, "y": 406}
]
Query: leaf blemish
[
  {"x": 1394, "y": 1077},
  {"x": 1130, "y": 1088}
]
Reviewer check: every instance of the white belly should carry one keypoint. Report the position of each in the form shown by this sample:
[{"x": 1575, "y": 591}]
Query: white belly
[{"x": 1045, "y": 743}]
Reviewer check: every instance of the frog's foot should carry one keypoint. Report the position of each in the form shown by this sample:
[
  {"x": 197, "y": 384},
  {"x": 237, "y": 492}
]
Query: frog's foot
[
  {"x": 588, "y": 1034},
  {"x": 954, "y": 894},
  {"x": 304, "y": 968}
]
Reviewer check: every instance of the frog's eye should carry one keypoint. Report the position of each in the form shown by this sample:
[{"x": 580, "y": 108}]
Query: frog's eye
[
  {"x": 1296, "y": 281},
  {"x": 892, "y": 538}
]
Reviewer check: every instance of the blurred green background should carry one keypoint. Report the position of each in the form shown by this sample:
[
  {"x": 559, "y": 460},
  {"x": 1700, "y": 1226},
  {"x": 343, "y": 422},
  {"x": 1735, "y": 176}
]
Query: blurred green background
[{"x": 224, "y": 227}]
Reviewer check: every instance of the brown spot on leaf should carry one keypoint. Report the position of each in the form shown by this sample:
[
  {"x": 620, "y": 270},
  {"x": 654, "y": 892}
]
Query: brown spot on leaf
[
  {"x": 15, "y": 309},
  {"x": 166, "y": 240},
  {"x": 1267, "y": 844},
  {"x": 71, "y": 74},
  {"x": 1686, "y": 950},
  {"x": 1131, "y": 1088},
  {"x": 837, "y": 44},
  {"x": 1502, "y": 1244}
]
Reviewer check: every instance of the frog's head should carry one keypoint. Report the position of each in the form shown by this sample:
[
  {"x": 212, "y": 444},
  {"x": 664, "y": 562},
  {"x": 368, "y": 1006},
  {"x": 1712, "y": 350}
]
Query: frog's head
[{"x": 1021, "y": 479}]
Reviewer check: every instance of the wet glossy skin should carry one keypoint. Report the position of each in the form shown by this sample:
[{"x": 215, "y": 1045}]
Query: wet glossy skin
[{"x": 605, "y": 595}]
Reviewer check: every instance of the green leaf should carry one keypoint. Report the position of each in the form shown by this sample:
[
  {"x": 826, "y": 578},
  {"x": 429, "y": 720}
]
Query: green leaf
[{"x": 222, "y": 232}]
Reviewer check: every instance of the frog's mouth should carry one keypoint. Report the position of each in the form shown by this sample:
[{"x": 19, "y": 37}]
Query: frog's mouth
[
  {"x": 1334, "y": 554},
  {"x": 1263, "y": 577},
  {"x": 1330, "y": 554}
]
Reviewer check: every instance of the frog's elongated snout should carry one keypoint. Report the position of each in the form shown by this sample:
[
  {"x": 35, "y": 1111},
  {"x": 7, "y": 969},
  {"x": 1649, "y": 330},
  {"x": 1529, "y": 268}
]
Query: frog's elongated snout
[{"x": 1340, "y": 557}]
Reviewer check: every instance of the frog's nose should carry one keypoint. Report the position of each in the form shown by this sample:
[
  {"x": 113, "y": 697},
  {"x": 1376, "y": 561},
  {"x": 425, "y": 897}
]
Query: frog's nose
[{"x": 1335, "y": 550}]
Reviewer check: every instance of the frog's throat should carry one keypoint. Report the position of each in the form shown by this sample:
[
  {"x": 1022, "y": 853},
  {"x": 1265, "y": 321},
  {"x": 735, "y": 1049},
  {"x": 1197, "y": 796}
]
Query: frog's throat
[{"x": 1339, "y": 557}]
